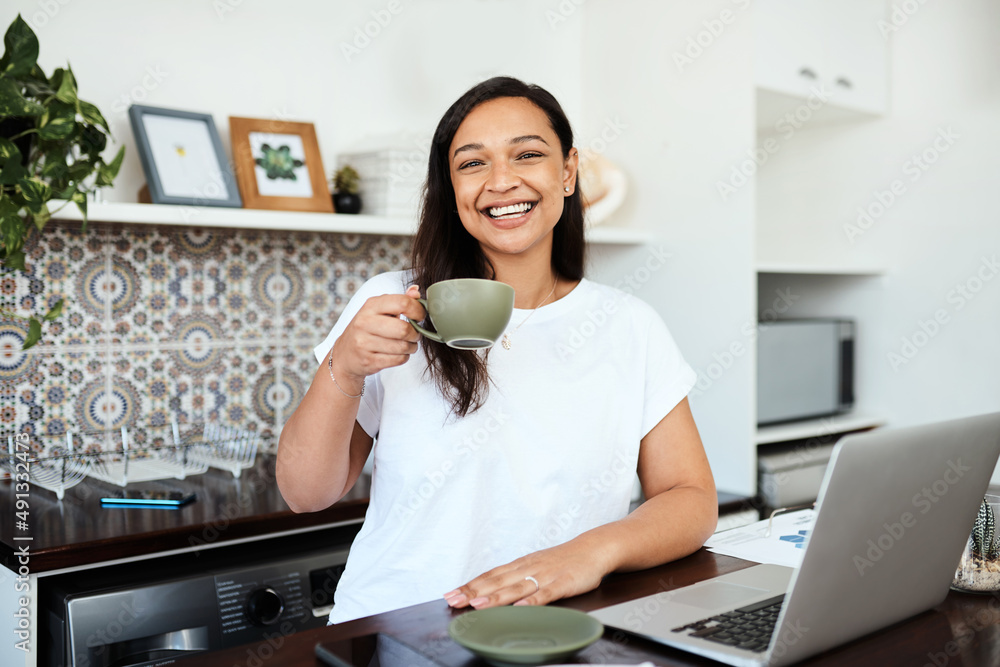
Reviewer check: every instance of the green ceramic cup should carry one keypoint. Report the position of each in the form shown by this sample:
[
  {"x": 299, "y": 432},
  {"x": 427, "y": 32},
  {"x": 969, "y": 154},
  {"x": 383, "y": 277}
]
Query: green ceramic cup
[{"x": 468, "y": 313}]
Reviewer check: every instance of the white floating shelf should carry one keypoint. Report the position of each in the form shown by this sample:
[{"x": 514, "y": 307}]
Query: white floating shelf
[
  {"x": 819, "y": 269},
  {"x": 244, "y": 218},
  {"x": 812, "y": 428}
]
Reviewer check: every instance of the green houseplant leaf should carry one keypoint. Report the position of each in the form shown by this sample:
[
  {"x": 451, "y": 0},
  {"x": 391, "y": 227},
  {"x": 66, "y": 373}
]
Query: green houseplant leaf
[
  {"x": 15, "y": 260},
  {"x": 34, "y": 333},
  {"x": 51, "y": 145},
  {"x": 13, "y": 103},
  {"x": 41, "y": 217},
  {"x": 80, "y": 199},
  {"x": 11, "y": 163},
  {"x": 20, "y": 49},
  {"x": 92, "y": 115},
  {"x": 9, "y": 150},
  {"x": 35, "y": 192},
  {"x": 55, "y": 311},
  {"x": 55, "y": 172},
  {"x": 67, "y": 86},
  {"x": 107, "y": 173},
  {"x": 58, "y": 122},
  {"x": 11, "y": 233}
]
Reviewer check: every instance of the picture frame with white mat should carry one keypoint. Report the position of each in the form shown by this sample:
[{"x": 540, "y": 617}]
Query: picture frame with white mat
[{"x": 278, "y": 165}]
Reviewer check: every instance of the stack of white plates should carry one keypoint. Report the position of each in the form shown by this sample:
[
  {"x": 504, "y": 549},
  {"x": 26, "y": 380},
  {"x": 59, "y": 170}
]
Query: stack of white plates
[{"x": 391, "y": 179}]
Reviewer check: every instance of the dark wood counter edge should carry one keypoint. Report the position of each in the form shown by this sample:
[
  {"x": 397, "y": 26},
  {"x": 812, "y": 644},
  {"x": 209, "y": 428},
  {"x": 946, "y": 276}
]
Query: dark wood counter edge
[
  {"x": 153, "y": 544},
  {"x": 412, "y": 622},
  {"x": 227, "y": 510}
]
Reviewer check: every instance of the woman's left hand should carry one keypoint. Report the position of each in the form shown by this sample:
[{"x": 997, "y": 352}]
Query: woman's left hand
[{"x": 562, "y": 571}]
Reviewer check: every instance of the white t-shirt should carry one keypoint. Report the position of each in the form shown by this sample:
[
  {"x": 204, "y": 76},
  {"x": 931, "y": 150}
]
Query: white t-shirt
[{"x": 550, "y": 455}]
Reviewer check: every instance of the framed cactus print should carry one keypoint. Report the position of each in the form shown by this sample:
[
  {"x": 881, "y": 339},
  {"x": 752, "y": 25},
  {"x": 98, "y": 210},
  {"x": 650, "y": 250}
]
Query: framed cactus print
[
  {"x": 182, "y": 158},
  {"x": 278, "y": 165}
]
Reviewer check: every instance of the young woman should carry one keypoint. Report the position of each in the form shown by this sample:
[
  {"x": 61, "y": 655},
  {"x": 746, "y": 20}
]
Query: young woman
[{"x": 501, "y": 477}]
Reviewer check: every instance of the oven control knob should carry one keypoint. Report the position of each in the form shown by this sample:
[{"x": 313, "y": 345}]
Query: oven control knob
[{"x": 264, "y": 606}]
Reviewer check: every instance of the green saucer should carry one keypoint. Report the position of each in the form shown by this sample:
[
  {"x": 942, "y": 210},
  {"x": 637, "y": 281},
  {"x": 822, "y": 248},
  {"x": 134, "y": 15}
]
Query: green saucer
[{"x": 525, "y": 635}]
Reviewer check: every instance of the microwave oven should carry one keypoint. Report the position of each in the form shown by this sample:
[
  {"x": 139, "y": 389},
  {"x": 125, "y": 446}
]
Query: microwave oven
[{"x": 805, "y": 369}]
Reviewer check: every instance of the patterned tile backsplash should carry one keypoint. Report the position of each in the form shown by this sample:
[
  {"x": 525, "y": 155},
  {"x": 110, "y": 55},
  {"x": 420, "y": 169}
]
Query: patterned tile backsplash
[{"x": 163, "y": 323}]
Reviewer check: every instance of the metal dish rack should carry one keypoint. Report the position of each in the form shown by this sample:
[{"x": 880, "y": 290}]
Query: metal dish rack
[
  {"x": 175, "y": 456},
  {"x": 225, "y": 448},
  {"x": 55, "y": 473},
  {"x": 143, "y": 465}
]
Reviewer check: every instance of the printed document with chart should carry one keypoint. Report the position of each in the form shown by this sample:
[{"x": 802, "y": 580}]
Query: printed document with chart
[{"x": 783, "y": 546}]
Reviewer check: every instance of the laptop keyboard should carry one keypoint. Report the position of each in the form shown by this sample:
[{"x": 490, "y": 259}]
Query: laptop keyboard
[{"x": 748, "y": 627}]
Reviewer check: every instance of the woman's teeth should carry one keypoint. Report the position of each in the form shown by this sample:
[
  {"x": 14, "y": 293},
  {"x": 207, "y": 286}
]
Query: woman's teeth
[{"x": 512, "y": 211}]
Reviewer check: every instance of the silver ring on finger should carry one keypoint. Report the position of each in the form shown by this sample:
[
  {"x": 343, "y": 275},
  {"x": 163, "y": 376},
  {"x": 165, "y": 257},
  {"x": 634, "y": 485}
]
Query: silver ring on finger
[{"x": 534, "y": 581}]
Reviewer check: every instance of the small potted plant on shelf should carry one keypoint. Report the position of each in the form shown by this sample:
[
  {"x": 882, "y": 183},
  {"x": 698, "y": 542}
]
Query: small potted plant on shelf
[
  {"x": 345, "y": 190},
  {"x": 50, "y": 150}
]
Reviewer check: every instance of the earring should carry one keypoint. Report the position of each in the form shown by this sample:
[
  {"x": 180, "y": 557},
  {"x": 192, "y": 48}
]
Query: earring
[{"x": 566, "y": 189}]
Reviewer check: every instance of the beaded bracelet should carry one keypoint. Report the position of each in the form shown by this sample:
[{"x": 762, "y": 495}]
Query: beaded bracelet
[{"x": 330, "y": 366}]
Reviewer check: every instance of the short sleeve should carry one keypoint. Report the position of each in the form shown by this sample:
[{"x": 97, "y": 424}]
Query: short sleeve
[
  {"x": 370, "y": 410},
  {"x": 668, "y": 377}
]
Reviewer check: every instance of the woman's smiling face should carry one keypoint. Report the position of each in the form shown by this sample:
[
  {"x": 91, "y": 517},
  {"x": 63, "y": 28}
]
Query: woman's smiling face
[{"x": 509, "y": 175}]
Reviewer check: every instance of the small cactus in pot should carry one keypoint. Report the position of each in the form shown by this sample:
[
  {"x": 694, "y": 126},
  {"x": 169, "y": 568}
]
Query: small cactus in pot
[
  {"x": 979, "y": 568},
  {"x": 983, "y": 532},
  {"x": 345, "y": 190}
]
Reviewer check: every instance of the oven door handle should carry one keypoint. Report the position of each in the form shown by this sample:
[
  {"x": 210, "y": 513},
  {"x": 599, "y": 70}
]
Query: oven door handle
[{"x": 164, "y": 645}]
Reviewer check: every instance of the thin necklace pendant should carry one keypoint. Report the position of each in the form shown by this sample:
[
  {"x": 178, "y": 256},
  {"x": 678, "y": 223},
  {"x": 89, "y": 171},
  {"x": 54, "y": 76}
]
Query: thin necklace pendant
[{"x": 506, "y": 337}]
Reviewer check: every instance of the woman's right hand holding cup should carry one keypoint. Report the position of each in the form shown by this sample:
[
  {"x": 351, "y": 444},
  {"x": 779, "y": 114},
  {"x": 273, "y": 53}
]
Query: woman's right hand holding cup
[{"x": 377, "y": 338}]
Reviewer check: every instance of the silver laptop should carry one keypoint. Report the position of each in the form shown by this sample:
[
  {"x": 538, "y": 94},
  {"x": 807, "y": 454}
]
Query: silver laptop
[{"x": 895, "y": 511}]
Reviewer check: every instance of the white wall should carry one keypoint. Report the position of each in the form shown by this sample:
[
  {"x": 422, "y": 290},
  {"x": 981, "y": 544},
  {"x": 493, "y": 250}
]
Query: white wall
[
  {"x": 932, "y": 238},
  {"x": 286, "y": 60},
  {"x": 688, "y": 124}
]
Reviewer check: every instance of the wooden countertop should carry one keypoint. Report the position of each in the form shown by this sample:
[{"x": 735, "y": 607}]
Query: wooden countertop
[
  {"x": 77, "y": 531},
  {"x": 963, "y": 630}
]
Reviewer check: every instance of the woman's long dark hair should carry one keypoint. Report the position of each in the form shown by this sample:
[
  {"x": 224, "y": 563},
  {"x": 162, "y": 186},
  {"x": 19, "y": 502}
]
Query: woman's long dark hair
[{"x": 443, "y": 249}]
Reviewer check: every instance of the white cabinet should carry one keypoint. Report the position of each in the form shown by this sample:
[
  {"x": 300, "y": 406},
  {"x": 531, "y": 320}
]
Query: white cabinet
[
  {"x": 790, "y": 54},
  {"x": 830, "y": 54},
  {"x": 857, "y": 56}
]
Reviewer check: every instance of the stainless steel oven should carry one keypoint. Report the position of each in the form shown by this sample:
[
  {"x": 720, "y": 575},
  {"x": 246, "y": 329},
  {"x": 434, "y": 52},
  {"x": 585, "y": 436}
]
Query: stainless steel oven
[{"x": 151, "y": 612}]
